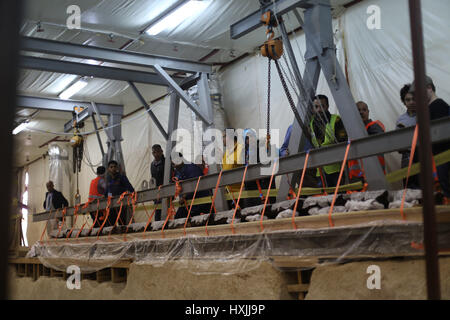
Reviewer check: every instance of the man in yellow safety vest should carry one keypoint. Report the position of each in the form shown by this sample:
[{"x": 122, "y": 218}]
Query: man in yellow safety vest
[{"x": 326, "y": 129}]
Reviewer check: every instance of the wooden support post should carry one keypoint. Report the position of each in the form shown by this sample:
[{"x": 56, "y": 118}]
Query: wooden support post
[
  {"x": 20, "y": 270},
  {"x": 302, "y": 287},
  {"x": 103, "y": 275},
  {"x": 119, "y": 275}
]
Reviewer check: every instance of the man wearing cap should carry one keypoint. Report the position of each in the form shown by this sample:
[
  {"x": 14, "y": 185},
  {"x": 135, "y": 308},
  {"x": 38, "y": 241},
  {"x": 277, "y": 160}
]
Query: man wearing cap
[{"x": 438, "y": 109}]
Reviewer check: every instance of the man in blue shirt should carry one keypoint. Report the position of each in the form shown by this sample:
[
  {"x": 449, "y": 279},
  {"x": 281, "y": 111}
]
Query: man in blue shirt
[
  {"x": 185, "y": 170},
  {"x": 116, "y": 184}
]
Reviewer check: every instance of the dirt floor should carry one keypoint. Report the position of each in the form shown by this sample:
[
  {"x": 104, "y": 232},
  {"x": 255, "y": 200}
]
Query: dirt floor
[{"x": 398, "y": 279}]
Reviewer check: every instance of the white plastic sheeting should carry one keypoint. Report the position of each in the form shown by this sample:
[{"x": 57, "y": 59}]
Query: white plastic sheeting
[{"x": 238, "y": 253}]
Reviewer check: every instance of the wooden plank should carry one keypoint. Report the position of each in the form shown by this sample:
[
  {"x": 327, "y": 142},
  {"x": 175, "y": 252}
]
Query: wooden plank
[{"x": 299, "y": 287}]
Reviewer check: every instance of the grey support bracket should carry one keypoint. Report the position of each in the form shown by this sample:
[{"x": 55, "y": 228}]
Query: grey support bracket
[
  {"x": 149, "y": 111},
  {"x": 183, "y": 96}
]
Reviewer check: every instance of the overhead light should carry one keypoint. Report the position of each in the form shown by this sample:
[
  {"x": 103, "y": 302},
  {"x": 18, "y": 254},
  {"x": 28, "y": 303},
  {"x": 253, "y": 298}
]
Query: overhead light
[
  {"x": 20, "y": 127},
  {"x": 70, "y": 91},
  {"x": 189, "y": 9}
]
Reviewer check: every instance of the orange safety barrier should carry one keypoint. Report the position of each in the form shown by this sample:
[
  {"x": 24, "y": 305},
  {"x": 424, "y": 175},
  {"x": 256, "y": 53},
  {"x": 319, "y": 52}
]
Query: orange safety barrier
[
  {"x": 411, "y": 157},
  {"x": 338, "y": 184},
  {"x": 190, "y": 207},
  {"x": 239, "y": 198},
  {"x": 300, "y": 189},
  {"x": 267, "y": 196}
]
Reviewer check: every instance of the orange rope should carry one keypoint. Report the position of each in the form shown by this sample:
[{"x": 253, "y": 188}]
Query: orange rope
[
  {"x": 133, "y": 197},
  {"x": 45, "y": 228},
  {"x": 149, "y": 219},
  {"x": 261, "y": 195},
  {"x": 323, "y": 182},
  {"x": 291, "y": 193},
  {"x": 108, "y": 204},
  {"x": 171, "y": 209},
  {"x": 96, "y": 217},
  {"x": 151, "y": 216},
  {"x": 267, "y": 196},
  {"x": 63, "y": 220},
  {"x": 239, "y": 198},
  {"x": 75, "y": 213},
  {"x": 299, "y": 189},
  {"x": 411, "y": 156},
  {"x": 213, "y": 200},
  {"x": 192, "y": 203},
  {"x": 338, "y": 183},
  {"x": 120, "y": 212}
]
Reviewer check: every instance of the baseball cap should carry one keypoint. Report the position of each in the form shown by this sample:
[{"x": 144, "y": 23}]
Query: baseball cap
[{"x": 428, "y": 81}]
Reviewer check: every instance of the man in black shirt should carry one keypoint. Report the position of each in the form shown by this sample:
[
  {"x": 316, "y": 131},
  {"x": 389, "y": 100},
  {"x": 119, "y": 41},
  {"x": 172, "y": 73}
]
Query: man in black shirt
[
  {"x": 157, "y": 172},
  {"x": 438, "y": 109}
]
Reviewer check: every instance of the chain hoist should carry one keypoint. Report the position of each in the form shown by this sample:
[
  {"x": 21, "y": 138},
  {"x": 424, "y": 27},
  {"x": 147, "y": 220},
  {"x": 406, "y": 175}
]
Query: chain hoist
[{"x": 273, "y": 50}]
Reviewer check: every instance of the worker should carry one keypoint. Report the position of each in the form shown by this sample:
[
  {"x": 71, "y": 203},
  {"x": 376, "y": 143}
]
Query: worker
[
  {"x": 97, "y": 191},
  {"x": 233, "y": 158},
  {"x": 252, "y": 156},
  {"x": 326, "y": 129},
  {"x": 407, "y": 119},
  {"x": 372, "y": 127},
  {"x": 157, "y": 172},
  {"x": 116, "y": 184},
  {"x": 438, "y": 109},
  {"x": 284, "y": 150},
  {"x": 53, "y": 200},
  {"x": 185, "y": 170}
]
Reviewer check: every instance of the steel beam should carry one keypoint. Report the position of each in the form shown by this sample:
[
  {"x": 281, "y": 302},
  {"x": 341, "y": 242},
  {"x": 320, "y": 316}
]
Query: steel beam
[
  {"x": 183, "y": 96},
  {"x": 253, "y": 21},
  {"x": 149, "y": 111},
  {"x": 96, "y": 71},
  {"x": 98, "y": 136},
  {"x": 174, "y": 112},
  {"x": 369, "y": 146},
  {"x": 110, "y": 55},
  {"x": 64, "y": 105}
]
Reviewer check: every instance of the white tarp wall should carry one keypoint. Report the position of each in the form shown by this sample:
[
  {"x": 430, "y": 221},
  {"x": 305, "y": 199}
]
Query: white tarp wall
[{"x": 379, "y": 64}]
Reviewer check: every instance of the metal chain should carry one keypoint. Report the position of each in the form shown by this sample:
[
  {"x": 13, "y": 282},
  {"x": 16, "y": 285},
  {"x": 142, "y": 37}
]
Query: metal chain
[{"x": 291, "y": 102}]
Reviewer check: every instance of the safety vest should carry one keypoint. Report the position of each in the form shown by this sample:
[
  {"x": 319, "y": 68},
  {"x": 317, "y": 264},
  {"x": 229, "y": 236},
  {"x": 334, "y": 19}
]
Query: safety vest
[
  {"x": 355, "y": 170},
  {"x": 93, "y": 189},
  {"x": 327, "y": 140}
]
